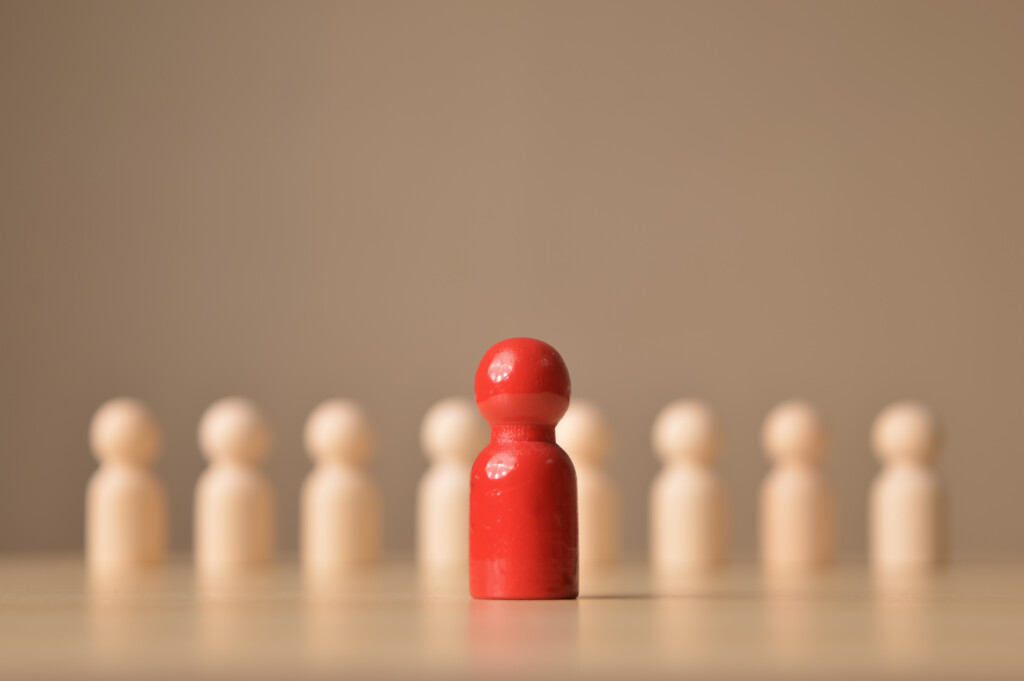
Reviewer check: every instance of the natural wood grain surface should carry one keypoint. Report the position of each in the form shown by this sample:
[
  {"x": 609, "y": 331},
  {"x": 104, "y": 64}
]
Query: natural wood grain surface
[{"x": 57, "y": 620}]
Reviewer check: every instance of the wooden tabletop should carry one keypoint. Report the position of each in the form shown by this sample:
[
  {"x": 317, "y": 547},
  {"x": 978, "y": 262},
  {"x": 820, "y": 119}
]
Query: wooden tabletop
[{"x": 57, "y": 620}]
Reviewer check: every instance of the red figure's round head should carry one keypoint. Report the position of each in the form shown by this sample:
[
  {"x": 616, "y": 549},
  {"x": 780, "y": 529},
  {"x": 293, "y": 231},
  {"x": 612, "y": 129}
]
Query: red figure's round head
[{"x": 522, "y": 381}]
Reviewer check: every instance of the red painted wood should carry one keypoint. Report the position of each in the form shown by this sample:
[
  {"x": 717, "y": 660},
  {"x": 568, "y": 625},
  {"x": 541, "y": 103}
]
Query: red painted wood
[{"x": 523, "y": 535}]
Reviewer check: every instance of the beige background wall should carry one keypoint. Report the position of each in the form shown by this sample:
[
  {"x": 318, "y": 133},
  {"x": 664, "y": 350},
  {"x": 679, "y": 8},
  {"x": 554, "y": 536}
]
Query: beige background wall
[{"x": 740, "y": 201}]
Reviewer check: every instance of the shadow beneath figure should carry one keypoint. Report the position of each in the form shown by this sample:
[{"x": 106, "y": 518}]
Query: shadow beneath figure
[
  {"x": 122, "y": 616},
  {"x": 709, "y": 585},
  {"x": 513, "y": 631},
  {"x": 904, "y": 607},
  {"x": 711, "y": 597}
]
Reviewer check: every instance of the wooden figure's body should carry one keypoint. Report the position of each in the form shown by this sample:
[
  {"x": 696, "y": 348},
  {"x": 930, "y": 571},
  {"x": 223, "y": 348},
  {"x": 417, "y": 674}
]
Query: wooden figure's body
[
  {"x": 600, "y": 526},
  {"x": 907, "y": 519},
  {"x": 907, "y": 514},
  {"x": 797, "y": 519},
  {"x": 442, "y": 516},
  {"x": 127, "y": 518},
  {"x": 688, "y": 518},
  {"x": 341, "y": 518},
  {"x": 523, "y": 541},
  {"x": 234, "y": 517},
  {"x": 688, "y": 506},
  {"x": 126, "y": 506}
]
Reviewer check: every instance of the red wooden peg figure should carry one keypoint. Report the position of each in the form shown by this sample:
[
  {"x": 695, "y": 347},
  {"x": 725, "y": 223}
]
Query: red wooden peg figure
[{"x": 523, "y": 535}]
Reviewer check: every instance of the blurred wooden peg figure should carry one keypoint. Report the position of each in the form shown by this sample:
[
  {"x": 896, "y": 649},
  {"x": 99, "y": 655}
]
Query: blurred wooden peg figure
[
  {"x": 126, "y": 506},
  {"x": 798, "y": 522},
  {"x": 452, "y": 434},
  {"x": 585, "y": 436},
  {"x": 341, "y": 507},
  {"x": 907, "y": 505},
  {"x": 688, "y": 505},
  {"x": 235, "y": 507}
]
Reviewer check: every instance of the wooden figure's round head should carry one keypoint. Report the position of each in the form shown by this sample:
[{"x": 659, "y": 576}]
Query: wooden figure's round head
[
  {"x": 686, "y": 431},
  {"x": 452, "y": 430},
  {"x": 234, "y": 430},
  {"x": 522, "y": 381},
  {"x": 584, "y": 433},
  {"x": 795, "y": 432},
  {"x": 339, "y": 431},
  {"x": 124, "y": 430},
  {"x": 906, "y": 432}
]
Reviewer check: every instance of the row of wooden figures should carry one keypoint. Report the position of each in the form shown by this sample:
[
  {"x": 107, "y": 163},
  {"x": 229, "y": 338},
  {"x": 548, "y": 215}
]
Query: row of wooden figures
[{"x": 126, "y": 516}]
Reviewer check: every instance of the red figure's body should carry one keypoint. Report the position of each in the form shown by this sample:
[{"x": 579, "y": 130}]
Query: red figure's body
[{"x": 523, "y": 536}]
